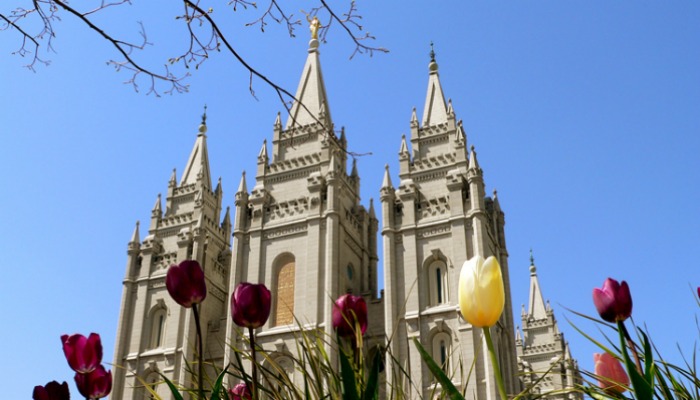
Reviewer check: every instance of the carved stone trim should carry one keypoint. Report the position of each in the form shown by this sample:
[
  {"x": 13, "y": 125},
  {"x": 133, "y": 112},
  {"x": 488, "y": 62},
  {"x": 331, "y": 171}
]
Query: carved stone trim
[
  {"x": 286, "y": 231},
  {"x": 437, "y": 230}
]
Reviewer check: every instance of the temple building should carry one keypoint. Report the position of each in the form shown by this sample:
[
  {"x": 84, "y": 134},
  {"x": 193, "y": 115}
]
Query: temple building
[{"x": 303, "y": 231}]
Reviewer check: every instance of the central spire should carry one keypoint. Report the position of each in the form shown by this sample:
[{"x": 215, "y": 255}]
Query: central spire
[
  {"x": 435, "y": 111},
  {"x": 311, "y": 104}
]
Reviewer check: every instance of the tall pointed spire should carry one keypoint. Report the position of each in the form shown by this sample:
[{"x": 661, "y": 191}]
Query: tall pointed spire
[
  {"x": 536, "y": 308},
  {"x": 435, "y": 110},
  {"x": 198, "y": 163},
  {"x": 386, "y": 182},
  {"x": 311, "y": 103},
  {"x": 242, "y": 187},
  {"x": 135, "y": 237}
]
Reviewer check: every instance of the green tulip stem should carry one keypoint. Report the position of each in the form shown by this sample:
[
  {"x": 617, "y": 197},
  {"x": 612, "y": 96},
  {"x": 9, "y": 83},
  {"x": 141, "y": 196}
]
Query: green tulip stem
[
  {"x": 631, "y": 345},
  {"x": 254, "y": 384},
  {"x": 494, "y": 361},
  {"x": 200, "y": 378}
]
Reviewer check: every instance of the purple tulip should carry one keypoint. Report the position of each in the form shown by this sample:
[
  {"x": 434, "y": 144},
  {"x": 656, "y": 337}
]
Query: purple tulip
[
  {"x": 52, "y": 391},
  {"x": 240, "y": 392},
  {"x": 613, "y": 301},
  {"x": 348, "y": 310},
  {"x": 96, "y": 384},
  {"x": 83, "y": 354},
  {"x": 185, "y": 283},
  {"x": 250, "y": 305}
]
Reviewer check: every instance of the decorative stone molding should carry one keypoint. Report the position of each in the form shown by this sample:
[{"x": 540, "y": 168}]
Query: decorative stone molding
[
  {"x": 437, "y": 230},
  {"x": 286, "y": 231}
]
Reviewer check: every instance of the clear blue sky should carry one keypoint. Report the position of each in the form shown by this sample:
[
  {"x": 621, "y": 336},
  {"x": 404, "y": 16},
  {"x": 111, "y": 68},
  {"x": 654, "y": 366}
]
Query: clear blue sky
[{"x": 585, "y": 115}]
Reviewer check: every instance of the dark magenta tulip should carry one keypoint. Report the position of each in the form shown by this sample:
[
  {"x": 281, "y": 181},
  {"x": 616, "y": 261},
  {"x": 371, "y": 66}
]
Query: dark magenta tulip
[
  {"x": 52, "y": 391},
  {"x": 240, "y": 392},
  {"x": 84, "y": 354},
  {"x": 95, "y": 385},
  {"x": 613, "y": 301},
  {"x": 185, "y": 283},
  {"x": 611, "y": 375},
  {"x": 250, "y": 305},
  {"x": 347, "y": 311}
]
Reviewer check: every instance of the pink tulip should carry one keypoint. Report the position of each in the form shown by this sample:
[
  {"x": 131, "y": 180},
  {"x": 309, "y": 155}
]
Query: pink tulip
[
  {"x": 52, "y": 391},
  {"x": 611, "y": 375},
  {"x": 83, "y": 354},
  {"x": 348, "y": 310},
  {"x": 96, "y": 384},
  {"x": 185, "y": 283},
  {"x": 250, "y": 305},
  {"x": 240, "y": 392},
  {"x": 613, "y": 301}
]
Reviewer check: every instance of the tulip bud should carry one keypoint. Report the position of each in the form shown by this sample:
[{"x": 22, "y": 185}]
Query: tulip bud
[
  {"x": 96, "y": 384},
  {"x": 250, "y": 305},
  {"x": 240, "y": 392},
  {"x": 185, "y": 283},
  {"x": 347, "y": 311},
  {"x": 83, "y": 354},
  {"x": 481, "y": 292},
  {"x": 611, "y": 375},
  {"x": 52, "y": 391},
  {"x": 613, "y": 301}
]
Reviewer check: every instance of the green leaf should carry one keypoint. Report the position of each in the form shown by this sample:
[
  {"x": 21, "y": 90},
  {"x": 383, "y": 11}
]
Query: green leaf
[
  {"x": 172, "y": 387},
  {"x": 372, "y": 389},
  {"x": 348, "y": 375},
  {"x": 217, "y": 385},
  {"x": 642, "y": 388},
  {"x": 447, "y": 386}
]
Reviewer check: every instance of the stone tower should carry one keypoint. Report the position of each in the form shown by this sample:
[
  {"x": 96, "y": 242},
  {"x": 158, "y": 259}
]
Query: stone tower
[
  {"x": 156, "y": 335},
  {"x": 437, "y": 218},
  {"x": 544, "y": 357},
  {"x": 302, "y": 230}
]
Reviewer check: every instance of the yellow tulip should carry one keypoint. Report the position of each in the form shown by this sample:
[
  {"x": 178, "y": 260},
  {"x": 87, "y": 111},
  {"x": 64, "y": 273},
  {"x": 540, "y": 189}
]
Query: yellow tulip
[{"x": 481, "y": 293}]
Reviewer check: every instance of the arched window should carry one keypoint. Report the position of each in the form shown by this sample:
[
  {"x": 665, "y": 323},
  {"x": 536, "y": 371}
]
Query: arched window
[
  {"x": 437, "y": 278},
  {"x": 350, "y": 278},
  {"x": 151, "y": 382},
  {"x": 442, "y": 348},
  {"x": 158, "y": 318},
  {"x": 284, "y": 291}
]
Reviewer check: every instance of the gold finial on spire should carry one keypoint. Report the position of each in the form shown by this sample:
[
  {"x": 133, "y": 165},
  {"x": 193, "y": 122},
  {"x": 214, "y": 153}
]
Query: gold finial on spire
[{"x": 314, "y": 25}]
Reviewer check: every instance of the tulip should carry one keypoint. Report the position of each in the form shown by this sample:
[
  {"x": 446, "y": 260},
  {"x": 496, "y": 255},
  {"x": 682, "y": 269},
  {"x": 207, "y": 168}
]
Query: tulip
[
  {"x": 347, "y": 311},
  {"x": 96, "y": 384},
  {"x": 185, "y": 283},
  {"x": 611, "y": 375},
  {"x": 52, "y": 391},
  {"x": 240, "y": 392},
  {"x": 250, "y": 305},
  {"x": 613, "y": 301},
  {"x": 481, "y": 293},
  {"x": 83, "y": 354}
]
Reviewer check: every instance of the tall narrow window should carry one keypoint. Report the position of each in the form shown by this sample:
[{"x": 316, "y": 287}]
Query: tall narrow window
[
  {"x": 441, "y": 347},
  {"x": 158, "y": 318},
  {"x": 284, "y": 306},
  {"x": 437, "y": 281},
  {"x": 443, "y": 355}
]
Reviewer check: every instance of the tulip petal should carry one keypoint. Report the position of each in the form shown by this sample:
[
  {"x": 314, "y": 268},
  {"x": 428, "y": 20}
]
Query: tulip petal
[{"x": 481, "y": 292}]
